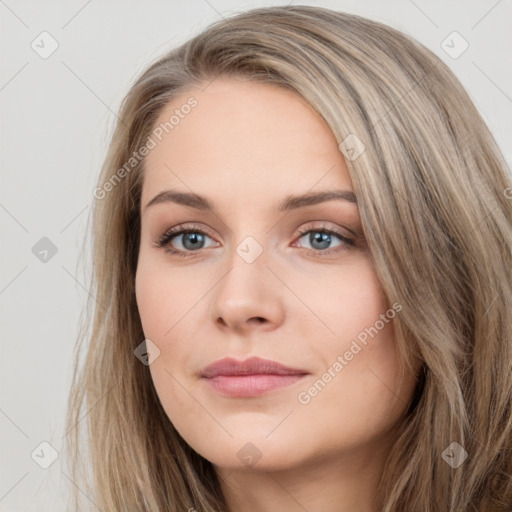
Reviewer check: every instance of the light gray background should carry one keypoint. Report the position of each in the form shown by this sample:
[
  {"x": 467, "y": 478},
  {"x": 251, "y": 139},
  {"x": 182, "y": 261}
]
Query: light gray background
[{"x": 57, "y": 116}]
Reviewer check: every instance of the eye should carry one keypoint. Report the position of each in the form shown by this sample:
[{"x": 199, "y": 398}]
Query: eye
[
  {"x": 321, "y": 240},
  {"x": 191, "y": 238}
]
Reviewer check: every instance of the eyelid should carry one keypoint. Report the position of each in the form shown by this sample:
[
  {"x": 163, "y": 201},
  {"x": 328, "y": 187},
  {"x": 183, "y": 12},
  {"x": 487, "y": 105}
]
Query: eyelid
[
  {"x": 324, "y": 225},
  {"x": 321, "y": 225}
]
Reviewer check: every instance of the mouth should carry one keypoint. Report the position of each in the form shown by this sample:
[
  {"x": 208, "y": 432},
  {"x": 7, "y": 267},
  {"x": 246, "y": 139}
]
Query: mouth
[{"x": 249, "y": 378}]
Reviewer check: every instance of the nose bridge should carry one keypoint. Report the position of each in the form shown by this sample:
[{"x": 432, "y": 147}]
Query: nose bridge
[
  {"x": 250, "y": 239},
  {"x": 246, "y": 289},
  {"x": 250, "y": 249},
  {"x": 247, "y": 262}
]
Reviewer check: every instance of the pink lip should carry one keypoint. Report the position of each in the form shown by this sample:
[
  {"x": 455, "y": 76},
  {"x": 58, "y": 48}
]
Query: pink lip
[{"x": 252, "y": 377}]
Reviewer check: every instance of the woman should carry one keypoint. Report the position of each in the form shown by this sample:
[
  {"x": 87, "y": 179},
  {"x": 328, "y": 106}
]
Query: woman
[{"x": 303, "y": 262}]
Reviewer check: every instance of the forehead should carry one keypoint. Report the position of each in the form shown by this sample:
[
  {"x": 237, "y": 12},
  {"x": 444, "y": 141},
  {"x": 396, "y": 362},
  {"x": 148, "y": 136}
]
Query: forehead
[{"x": 241, "y": 136}]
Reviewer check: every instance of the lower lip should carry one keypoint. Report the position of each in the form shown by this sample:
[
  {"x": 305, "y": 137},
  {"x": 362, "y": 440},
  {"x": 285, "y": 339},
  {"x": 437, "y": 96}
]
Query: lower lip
[{"x": 243, "y": 386}]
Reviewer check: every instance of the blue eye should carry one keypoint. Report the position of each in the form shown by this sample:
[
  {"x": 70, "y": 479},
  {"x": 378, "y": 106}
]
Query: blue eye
[
  {"x": 193, "y": 240},
  {"x": 321, "y": 240}
]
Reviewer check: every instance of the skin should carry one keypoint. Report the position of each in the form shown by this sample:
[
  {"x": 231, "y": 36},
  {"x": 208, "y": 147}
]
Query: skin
[{"x": 246, "y": 146}]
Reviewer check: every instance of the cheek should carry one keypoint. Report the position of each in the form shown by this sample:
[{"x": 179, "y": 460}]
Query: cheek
[
  {"x": 170, "y": 309},
  {"x": 356, "y": 397},
  {"x": 148, "y": 296},
  {"x": 161, "y": 302},
  {"x": 361, "y": 364},
  {"x": 163, "y": 297},
  {"x": 347, "y": 301}
]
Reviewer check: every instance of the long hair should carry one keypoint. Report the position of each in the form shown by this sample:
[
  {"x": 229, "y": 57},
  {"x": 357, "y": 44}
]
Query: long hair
[{"x": 435, "y": 201}]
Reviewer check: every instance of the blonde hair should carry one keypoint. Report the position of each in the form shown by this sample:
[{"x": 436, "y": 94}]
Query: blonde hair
[{"x": 434, "y": 200}]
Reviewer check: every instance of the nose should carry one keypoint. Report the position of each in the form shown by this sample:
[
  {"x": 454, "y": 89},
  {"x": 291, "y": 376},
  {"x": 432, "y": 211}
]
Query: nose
[{"x": 248, "y": 297}]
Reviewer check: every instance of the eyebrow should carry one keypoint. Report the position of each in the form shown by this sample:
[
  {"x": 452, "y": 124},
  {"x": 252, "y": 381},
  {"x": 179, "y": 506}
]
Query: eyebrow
[{"x": 290, "y": 202}]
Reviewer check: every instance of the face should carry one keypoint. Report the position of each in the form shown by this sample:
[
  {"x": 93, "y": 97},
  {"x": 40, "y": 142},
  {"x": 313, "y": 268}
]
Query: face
[{"x": 261, "y": 275}]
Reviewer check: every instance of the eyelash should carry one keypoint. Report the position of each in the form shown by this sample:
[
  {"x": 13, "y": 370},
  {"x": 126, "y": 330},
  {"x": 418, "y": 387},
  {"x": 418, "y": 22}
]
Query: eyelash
[{"x": 164, "y": 240}]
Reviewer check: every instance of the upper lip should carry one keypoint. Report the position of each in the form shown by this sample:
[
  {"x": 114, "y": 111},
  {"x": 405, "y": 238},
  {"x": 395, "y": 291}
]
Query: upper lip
[{"x": 251, "y": 366}]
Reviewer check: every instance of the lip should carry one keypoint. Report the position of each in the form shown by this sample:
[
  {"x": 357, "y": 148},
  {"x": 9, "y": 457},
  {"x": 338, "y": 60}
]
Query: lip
[{"x": 253, "y": 377}]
